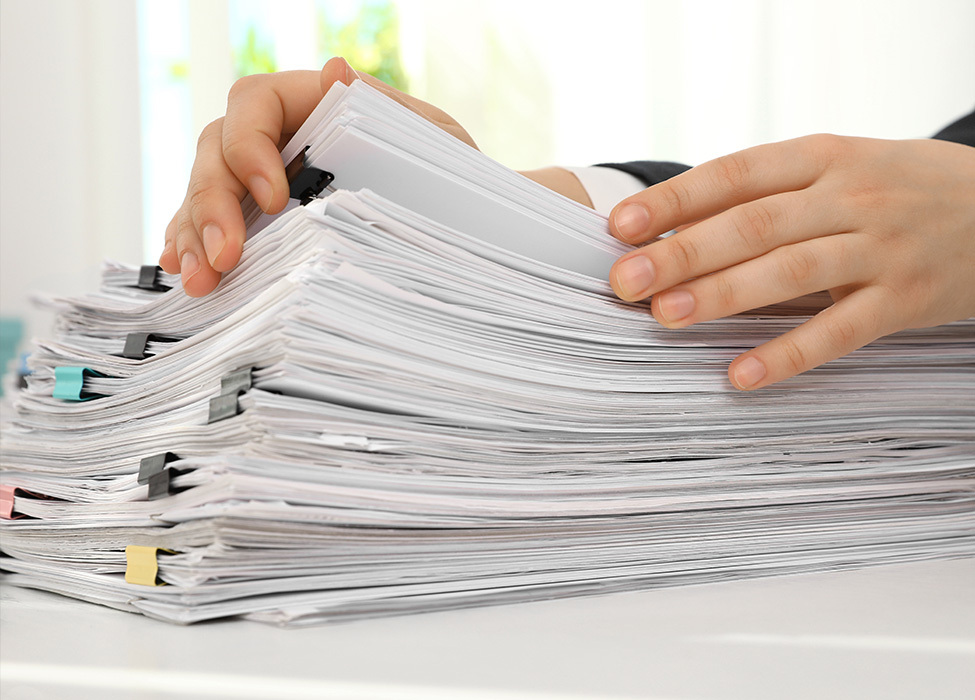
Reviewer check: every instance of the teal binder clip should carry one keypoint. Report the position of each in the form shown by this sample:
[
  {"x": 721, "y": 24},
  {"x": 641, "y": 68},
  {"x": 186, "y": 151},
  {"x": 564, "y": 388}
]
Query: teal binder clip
[{"x": 69, "y": 383}]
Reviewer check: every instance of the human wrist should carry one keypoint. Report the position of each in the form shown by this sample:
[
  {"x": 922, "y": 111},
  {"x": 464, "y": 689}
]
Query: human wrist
[{"x": 562, "y": 181}]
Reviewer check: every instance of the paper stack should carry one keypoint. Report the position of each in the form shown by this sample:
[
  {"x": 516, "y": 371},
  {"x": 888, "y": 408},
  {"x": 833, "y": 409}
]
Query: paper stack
[{"x": 418, "y": 393}]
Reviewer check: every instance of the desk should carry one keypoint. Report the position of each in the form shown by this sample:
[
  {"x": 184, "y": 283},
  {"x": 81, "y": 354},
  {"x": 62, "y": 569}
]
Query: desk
[{"x": 903, "y": 631}]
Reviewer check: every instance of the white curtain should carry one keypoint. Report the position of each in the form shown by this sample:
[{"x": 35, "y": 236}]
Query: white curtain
[
  {"x": 70, "y": 172},
  {"x": 541, "y": 82}
]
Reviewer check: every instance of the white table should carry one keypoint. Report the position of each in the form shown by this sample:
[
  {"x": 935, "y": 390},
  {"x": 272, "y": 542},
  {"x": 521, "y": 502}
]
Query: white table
[{"x": 904, "y": 631}]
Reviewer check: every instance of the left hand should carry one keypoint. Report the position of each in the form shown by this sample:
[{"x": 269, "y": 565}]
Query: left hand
[
  {"x": 888, "y": 227},
  {"x": 238, "y": 153}
]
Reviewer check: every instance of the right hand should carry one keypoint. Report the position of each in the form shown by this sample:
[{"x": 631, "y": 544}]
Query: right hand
[{"x": 239, "y": 153}]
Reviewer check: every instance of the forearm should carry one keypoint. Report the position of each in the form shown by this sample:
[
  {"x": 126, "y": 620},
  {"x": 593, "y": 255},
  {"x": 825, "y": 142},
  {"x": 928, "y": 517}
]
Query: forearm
[
  {"x": 597, "y": 187},
  {"x": 561, "y": 181}
]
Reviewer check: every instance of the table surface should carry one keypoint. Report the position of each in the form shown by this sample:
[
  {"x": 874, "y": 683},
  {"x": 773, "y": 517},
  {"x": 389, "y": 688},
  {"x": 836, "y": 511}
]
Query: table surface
[{"x": 901, "y": 631}]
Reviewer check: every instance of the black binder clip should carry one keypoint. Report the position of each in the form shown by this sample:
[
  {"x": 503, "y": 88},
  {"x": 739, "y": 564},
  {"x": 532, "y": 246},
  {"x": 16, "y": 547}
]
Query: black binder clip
[
  {"x": 306, "y": 181},
  {"x": 159, "y": 484},
  {"x": 149, "y": 279},
  {"x": 135, "y": 345},
  {"x": 231, "y": 386},
  {"x": 153, "y": 470},
  {"x": 224, "y": 406},
  {"x": 237, "y": 382},
  {"x": 23, "y": 371},
  {"x": 154, "y": 464}
]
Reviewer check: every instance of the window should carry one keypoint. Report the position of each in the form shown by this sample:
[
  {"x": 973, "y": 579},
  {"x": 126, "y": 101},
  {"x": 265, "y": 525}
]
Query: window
[{"x": 538, "y": 82}]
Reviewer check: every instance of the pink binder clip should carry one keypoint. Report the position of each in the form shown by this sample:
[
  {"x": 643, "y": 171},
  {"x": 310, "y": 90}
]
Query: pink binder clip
[{"x": 7, "y": 502}]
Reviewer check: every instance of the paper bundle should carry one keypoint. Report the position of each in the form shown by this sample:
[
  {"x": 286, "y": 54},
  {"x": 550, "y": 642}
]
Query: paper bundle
[{"x": 423, "y": 395}]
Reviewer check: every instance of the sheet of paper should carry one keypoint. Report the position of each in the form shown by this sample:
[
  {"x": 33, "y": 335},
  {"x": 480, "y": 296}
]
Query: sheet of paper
[{"x": 435, "y": 401}]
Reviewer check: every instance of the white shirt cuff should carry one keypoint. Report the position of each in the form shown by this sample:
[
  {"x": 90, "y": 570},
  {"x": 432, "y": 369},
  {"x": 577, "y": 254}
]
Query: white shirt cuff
[{"x": 606, "y": 186}]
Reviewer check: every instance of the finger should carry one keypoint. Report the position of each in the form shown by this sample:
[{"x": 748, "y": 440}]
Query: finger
[
  {"x": 426, "y": 110},
  {"x": 731, "y": 237},
  {"x": 168, "y": 260},
  {"x": 838, "y": 330},
  {"x": 721, "y": 184},
  {"x": 260, "y": 109},
  {"x": 213, "y": 199},
  {"x": 785, "y": 273},
  {"x": 197, "y": 277},
  {"x": 336, "y": 70}
]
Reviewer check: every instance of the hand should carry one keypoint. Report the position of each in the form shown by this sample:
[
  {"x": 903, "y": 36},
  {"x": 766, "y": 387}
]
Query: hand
[
  {"x": 888, "y": 227},
  {"x": 238, "y": 153}
]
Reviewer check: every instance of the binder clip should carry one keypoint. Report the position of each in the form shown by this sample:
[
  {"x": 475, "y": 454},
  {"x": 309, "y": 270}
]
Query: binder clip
[
  {"x": 136, "y": 344},
  {"x": 7, "y": 495},
  {"x": 23, "y": 371},
  {"x": 149, "y": 279},
  {"x": 159, "y": 484},
  {"x": 237, "y": 382},
  {"x": 306, "y": 181},
  {"x": 154, "y": 464},
  {"x": 154, "y": 472},
  {"x": 142, "y": 565},
  {"x": 224, "y": 406},
  {"x": 231, "y": 386},
  {"x": 69, "y": 383}
]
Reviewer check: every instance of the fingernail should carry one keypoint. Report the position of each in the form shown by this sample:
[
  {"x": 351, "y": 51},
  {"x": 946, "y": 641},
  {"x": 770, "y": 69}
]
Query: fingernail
[
  {"x": 749, "y": 372},
  {"x": 213, "y": 242},
  {"x": 165, "y": 251},
  {"x": 632, "y": 220},
  {"x": 675, "y": 306},
  {"x": 261, "y": 190},
  {"x": 189, "y": 265},
  {"x": 634, "y": 277},
  {"x": 350, "y": 73}
]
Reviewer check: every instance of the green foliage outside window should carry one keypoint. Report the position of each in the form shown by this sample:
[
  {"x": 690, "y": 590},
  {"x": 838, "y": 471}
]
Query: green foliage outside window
[
  {"x": 367, "y": 37},
  {"x": 179, "y": 71},
  {"x": 369, "y": 41},
  {"x": 254, "y": 55}
]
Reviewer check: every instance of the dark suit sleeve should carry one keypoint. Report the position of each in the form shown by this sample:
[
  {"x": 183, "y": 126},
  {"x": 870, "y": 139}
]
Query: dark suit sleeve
[
  {"x": 961, "y": 131},
  {"x": 653, "y": 171},
  {"x": 649, "y": 171}
]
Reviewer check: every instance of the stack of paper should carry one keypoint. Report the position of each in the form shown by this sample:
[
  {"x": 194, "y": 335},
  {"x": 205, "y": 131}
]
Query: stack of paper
[{"x": 423, "y": 395}]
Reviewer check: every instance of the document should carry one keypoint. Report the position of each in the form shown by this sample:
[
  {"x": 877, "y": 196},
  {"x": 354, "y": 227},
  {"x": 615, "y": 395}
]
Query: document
[{"x": 417, "y": 392}]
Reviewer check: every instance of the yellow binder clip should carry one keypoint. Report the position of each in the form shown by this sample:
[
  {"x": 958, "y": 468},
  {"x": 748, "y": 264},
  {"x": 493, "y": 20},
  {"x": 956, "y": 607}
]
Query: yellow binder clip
[{"x": 142, "y": 566}]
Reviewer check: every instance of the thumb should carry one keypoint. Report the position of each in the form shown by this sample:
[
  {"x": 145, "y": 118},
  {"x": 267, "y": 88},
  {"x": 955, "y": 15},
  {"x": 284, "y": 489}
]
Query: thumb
[{"x": 338, "y": 70}]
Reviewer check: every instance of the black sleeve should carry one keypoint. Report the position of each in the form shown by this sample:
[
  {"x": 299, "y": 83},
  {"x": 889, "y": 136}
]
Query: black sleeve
[
  {"x": 649, "y": 171},
  {"x": 653, "y": 171},
  {"x": 961, "y": 131}
]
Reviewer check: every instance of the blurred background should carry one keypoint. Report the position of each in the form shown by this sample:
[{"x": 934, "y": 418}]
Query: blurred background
[{"x": 101, "y": 100}]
